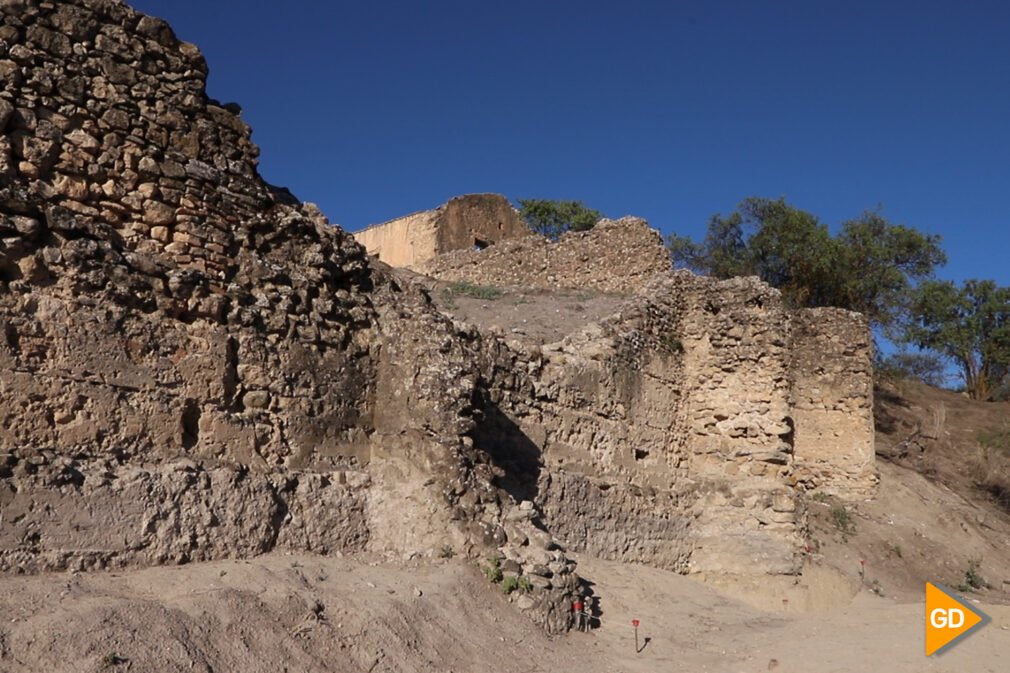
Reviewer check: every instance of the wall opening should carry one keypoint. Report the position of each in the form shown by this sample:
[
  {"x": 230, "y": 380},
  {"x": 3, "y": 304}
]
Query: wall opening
[{"x": 190, "y": 424}]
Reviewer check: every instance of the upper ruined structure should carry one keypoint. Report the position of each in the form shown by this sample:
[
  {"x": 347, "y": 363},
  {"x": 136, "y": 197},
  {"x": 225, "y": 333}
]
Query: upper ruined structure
[
  {"x": 472, "y": 221},
  {"x": 194, "y": 365},
  {"x": 614, "y": 256}
]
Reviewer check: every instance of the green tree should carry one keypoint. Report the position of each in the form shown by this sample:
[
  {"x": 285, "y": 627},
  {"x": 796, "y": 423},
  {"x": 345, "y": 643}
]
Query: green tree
[
  {"x": 970, "y": 325},
  {"x": 793, "y": 251},
  {"x": 879, "y": 264},
  {"x": 722, "y": 254},
  {"x": 870, "y": 266},
  {"x": 553, "y": 218}
]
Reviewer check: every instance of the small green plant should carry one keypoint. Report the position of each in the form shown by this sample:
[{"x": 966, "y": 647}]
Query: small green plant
[
  {"x": 876, "y": 588},
  {"x": 446, "y": 552},
  {"x": 112, "y": 659},
  {"x": 671, "y": 344},
  {"x": 515, "y": 583},
  {"x": 492, "y": 571},
  {"x": 820, "y": 496},
  {"x": 973, "y": 579},
  {"x": 465, "y": 288},
  {"x": 843, "y": 520}
]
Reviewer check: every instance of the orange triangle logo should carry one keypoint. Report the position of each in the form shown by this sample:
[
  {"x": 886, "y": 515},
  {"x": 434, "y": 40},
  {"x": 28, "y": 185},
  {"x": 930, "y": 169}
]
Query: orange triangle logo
[{"x": 949, "y": 619}]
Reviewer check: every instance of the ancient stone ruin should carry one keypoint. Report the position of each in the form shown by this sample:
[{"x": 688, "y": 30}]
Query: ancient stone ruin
[
  {"x": 195, "y": 365},
  {"x": 615, "y": 256},
  {"x": 469, "y": 222}
]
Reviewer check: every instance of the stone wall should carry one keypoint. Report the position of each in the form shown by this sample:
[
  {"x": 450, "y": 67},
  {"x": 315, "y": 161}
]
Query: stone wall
[
  {"x": 657, "y": 436},
  {"x": 405, "y": 242},
  {"x": 65, "y": 514},
  {"x": 675, "y": 433},
  {"x": 194, "y": 365},
  {"x": 832, "y": 401},
  {"x": 615, "y": 256},
  {"x": 148, "y": 273},
  {"x": 464, "y": 223}
]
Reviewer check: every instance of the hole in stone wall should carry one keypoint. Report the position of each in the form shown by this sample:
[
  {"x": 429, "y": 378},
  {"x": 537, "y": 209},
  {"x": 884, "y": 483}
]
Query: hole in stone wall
[
  {"x": 12, "y": 338},
  {"x": 641, "y": 454},
  {"x": 789, "y": 434},
  {"x": 480, "y": 244},
  {"x": 190, "y": 424}
]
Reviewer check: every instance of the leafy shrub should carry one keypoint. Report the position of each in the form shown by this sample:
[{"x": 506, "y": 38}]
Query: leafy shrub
[
  {"x": 926, "y": 367},
  {"x": 553, "y": 218},
  {"x": 515, "y": 583}
]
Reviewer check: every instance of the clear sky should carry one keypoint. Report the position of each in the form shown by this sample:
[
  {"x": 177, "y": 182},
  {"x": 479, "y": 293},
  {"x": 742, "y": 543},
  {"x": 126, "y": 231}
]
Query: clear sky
[{"x": 668, "y": 110}]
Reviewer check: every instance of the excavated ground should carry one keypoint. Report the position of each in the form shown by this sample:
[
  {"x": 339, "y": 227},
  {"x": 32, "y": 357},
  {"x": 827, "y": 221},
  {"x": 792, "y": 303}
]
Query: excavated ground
[
  {"x": 528, "y": 315},
  {"x": 308, "y": 614}
]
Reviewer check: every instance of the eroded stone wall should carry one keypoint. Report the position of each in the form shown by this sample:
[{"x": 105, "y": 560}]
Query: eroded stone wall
[
  {"x": 464, "y": 223},
  {"x": 194, "y": 365},
  {"x": 149, "y": 275},
  {"x": 670, "y": 434},
  {"x": 615, "y": 256},
  {"x": 832, "y": 401},
  {"x": 66, "y": 514}
]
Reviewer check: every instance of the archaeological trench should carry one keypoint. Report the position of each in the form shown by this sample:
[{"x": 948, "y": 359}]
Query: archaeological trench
[{"x": 194, "y": 365}]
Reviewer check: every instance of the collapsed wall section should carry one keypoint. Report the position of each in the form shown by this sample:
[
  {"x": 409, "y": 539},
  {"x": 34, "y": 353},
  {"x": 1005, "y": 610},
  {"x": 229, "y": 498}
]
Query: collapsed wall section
[{"x": 614, "y": 256}]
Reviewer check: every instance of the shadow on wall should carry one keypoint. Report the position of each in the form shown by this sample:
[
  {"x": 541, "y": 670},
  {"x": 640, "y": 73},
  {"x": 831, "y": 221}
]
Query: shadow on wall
[{"x": 511, "y": 450}]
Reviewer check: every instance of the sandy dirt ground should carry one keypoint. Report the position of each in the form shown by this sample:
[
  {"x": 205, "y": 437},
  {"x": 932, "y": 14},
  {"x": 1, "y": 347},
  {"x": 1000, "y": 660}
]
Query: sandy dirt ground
[
  {"x": 304, "y": 613},
  {"x": 693, "y": 628}
]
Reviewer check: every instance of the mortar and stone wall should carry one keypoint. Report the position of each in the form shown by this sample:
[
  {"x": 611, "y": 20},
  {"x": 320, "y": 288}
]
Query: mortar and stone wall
[
  {"x": 194, "y": 365},
  {"x": 614, "y": 256},
  {"x": 465, "y": 222},
  {"x": 832, "y": 401},
  {"x": 667, "y": 434},
  {"x": 148, "y": 273}
]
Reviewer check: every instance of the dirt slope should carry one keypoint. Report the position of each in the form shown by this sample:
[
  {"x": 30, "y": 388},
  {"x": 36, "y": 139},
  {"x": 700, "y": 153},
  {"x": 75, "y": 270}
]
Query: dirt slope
[
  {"x": 307, "y": 614},
  {"x": 932, "y": 518},
  {"x": 275, "y": 613}
]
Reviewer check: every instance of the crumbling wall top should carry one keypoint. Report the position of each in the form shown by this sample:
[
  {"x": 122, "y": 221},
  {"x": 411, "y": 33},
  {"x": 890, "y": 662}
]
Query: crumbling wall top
[{"x": 615, "y": 256}]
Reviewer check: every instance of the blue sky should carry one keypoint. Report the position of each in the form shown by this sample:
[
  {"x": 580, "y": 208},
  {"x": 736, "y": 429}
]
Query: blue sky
[{"x": 668, "y": 110}]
